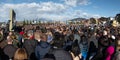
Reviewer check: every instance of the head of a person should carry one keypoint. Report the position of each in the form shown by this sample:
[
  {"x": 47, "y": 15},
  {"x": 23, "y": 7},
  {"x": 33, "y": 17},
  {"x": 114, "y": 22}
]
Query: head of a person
[
  {"x": 43, "y": 37},
  {"x": 30, "y": 34},
  {"x": 49, "y": 33},
  {"x": 9, "y": 39},
  {"x": 71, "y": 37},
  {"x": 103, "y": 41},
  {"x": 20, "y": 54},
  {"x": 58, "y": 41},
  {"x": 56, "y": 35},
  {"x": 83, "y": 38},
  {"x": 11, "y": 33}
]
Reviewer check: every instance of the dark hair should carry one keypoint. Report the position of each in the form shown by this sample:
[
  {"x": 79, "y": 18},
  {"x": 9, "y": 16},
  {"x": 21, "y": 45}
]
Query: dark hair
[
  {"x": 83, "y": 36},
  {"x": 58, "y": 40},
  {"x": 92, "y": 47},
  {"x": 75, "y": 48},
  {"x": 58, "y": 43},
  {"x": 71, "y": 37},
  {"x": 103, "y": 41},
  {"x": 75, "y": 31},
  {"x": 57, "y": 35},
  {"x": 103, "y": 38}
]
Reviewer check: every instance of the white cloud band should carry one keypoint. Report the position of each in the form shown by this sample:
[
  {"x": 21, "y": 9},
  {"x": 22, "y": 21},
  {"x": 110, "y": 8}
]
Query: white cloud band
[{"x": 47, "y": 10}]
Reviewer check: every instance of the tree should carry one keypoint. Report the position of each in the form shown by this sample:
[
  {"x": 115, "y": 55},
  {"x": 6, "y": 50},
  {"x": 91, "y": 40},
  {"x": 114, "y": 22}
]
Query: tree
[
  {"x": 39, "y": 22},
  {"x": 117, "y": 17},
  {"x": 27, "y": 22},
  {"x": 24, "y": 23}
]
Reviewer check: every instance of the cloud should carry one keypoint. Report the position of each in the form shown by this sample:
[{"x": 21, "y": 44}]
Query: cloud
[
  {"x": 76, "y": 2},
  {"x": 83, "y": 14},
  {"x": 32, "y": 10},
  {"x": 48, "y": 10},
  {"x": 51, "y": 7}
]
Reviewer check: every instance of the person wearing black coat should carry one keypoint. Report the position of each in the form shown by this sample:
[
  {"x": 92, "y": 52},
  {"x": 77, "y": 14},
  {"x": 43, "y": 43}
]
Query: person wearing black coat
[{"x": 9, "y": 50}]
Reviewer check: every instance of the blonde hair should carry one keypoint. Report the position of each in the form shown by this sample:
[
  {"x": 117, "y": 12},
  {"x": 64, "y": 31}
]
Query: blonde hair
[
  {"x": 20, "y": 54},
  {"x": 9, "y": 38}
]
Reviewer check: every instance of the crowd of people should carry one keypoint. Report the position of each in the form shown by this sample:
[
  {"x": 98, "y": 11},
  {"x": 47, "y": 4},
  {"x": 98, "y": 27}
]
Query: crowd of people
[{"x": 60, "y": 42}]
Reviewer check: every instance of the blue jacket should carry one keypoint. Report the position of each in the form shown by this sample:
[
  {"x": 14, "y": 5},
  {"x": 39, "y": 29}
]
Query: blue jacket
[{"x": 42, "y": 49}]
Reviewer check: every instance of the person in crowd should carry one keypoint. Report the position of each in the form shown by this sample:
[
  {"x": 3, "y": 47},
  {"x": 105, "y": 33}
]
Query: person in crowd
[
  {"x": 105, "y": 50},
  {"x": 117, "y": 52},
  {"x": 3, "y": 43},
  {"x": 57, "y": 36},
  {"x": 84, "y": 46},
  {"x": 20, "y": 54},
  {"x": 103, "y": 43},
  {"x": 9, "y": 49},
  {"x": 69, "y": 42},
  {"x": 92, "y": 37},
  {"x": 30, "y": 44},
  {"x": 109, "y": 52},
  {"x": 20, "y": 37},
  {"x": 76, "y": 35},
  {"x": 43, "y": 46},
  {"x": 91, "y": 51},
  {"x": 14, "y": 37},
  {"x": 58, "y": 51},
  {"x": 1, "y": 35},
  {"x": 75, "y": 51},
  {"x": 49, "y": 36}
]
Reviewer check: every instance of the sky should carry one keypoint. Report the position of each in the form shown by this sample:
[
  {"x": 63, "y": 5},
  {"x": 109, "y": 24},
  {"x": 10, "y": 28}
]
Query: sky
[{"x": 59, "y": 10}]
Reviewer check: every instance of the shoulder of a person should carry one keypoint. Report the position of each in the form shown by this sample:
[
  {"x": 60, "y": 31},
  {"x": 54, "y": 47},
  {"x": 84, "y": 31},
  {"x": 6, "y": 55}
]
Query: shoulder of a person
[{"x": 10, "y": 46}]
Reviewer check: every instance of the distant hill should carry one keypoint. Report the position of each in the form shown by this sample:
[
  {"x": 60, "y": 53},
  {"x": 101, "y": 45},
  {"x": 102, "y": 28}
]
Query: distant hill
[{"x": 77, "y": 19}]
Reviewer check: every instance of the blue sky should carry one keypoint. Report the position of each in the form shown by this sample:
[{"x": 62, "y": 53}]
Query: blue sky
[{"x": 58, "y": 9}]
